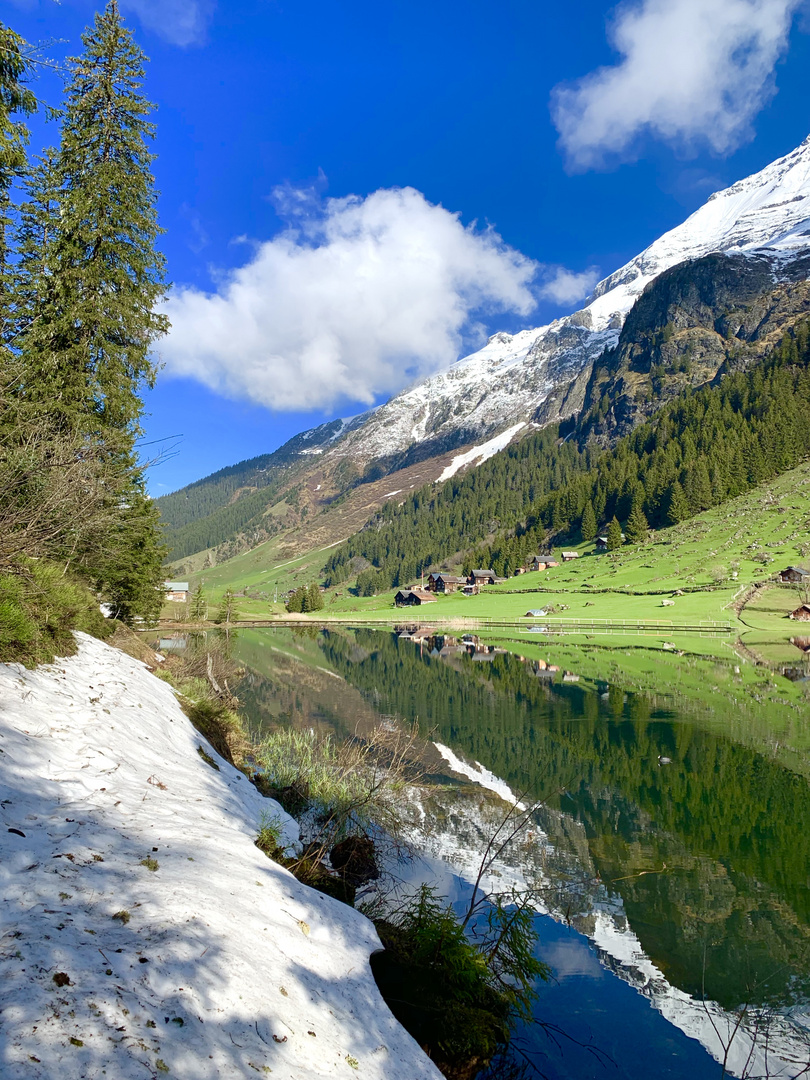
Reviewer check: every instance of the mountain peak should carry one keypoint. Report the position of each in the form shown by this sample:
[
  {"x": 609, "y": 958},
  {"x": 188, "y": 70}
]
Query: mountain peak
[{"x": 766, "y": 214}]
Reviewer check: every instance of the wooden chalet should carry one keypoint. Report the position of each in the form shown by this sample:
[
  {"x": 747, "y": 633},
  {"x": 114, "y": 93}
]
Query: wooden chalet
[
  {"x": 543, "y": 562},
  {"x": 481, "y": 577},
  {"x": 413, "y": 598},
  {"x": 446, "y": 583},
  {"x": 802, "y": 613},
  {"x": 569, "y": 556},
  {"x": 794, "y": 575},
  {"x": 471, "y": 590},
  {"x": 176, "y": 591},
  {"x": 601, "y": 543}
]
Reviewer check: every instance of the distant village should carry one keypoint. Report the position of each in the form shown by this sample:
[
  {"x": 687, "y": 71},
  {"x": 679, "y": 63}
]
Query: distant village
[{"x": 438, "y": 583}]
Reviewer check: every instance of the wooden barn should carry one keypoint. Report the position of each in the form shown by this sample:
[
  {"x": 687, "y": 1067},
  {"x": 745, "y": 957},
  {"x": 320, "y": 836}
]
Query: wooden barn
[
  {"x": 447, "y": 583},
  {"x": 176, "y": 591},
  {"x": 794, "y": 575},
  {"x": 413, "y": 598},
  {"x": 481, "y": 577},
  {"x": 544, "y": 562},
  {"x": 802, "y": 613}
]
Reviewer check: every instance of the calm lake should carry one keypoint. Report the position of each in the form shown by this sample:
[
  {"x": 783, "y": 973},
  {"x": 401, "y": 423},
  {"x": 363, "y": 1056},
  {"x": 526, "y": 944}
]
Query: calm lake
[{"x": 671, "y": 849}]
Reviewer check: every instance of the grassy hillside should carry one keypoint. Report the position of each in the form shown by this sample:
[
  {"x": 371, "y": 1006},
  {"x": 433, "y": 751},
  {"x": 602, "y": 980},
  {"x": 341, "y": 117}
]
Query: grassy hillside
[{"x": 751, "y": 536}]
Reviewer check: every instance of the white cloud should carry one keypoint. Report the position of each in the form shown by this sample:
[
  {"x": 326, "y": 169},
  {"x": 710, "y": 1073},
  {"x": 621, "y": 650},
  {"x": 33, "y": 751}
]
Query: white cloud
[
  {"x": 692, "y": 71},
  {"x": 182, "y": 22},
  {"x": 566, "y": 287},
  {"x": 353, "y": 300}
]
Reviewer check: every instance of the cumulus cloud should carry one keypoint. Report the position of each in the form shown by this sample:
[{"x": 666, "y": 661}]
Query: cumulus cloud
[
  {"x": 181, "y": 22},
  {"x": 692, "y": 71},
  {"x": 353, "y": 300},
  {"x": 566, "y": 287}
]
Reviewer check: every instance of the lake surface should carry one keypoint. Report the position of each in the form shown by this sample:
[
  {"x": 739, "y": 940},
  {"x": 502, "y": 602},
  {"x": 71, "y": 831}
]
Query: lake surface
[{"x": 671, "y": 849}]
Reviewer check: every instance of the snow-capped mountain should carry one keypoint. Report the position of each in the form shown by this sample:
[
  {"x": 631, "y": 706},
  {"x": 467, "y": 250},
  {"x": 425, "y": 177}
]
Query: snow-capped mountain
[{"x": 502, "y": 386}]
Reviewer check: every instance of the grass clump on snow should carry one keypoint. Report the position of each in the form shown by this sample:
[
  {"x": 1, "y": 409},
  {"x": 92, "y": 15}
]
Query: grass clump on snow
[
  {"x": 40, "y": 607},
  {"x": 337, "y": 789}
]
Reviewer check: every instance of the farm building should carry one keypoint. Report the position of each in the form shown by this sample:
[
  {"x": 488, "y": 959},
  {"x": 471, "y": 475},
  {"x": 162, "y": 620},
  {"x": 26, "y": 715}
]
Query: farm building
[
  {"x": 535, "y": 613},
  {"x": 601, "y": 543},
  {"x": 413, "y": 598},
  {"x": 471, "y": 590},
  {"x": 543, "y": 562},
  {"x": 446, "y": 583},
  {"x": 482, "y": 577},
  {"x": 569, "y": 556},
  {"x": 795, "y": 575},
  {"x": 802, "y": 613},
  {"x": 176, "y": 590}
]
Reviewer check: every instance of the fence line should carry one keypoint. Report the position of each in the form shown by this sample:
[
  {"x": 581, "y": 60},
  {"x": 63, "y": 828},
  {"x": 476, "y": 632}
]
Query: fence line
[{"x": 573, "y": 625}]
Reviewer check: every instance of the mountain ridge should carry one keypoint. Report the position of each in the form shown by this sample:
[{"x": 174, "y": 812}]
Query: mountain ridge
[{"x": 514, "y": 384}]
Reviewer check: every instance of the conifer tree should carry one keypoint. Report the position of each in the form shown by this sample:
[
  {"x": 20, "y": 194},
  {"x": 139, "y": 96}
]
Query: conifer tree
[
  {"x": 37, "y": 232},
  {"x": 588, "y": 527},
  {"x": 637, "y": 527},
  {"x": 93, "y": 344},
  {"x": 677, "y": 506},
  {"x": 614, "y": 535},
  {"x": 89, "y": 231},
  {"x": 199, "y": 605},
  {"x": 16, "y": 102},
  {"x": 228, "y": 612},
  {"x": 314, "y": 598}
]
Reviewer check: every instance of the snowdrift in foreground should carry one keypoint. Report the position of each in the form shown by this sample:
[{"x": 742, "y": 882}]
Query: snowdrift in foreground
[{"x": 226, "y": 966}]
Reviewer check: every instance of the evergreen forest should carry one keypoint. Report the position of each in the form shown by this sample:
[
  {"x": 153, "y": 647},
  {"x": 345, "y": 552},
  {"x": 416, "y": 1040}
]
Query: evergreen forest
[
  {"x": 81, "y": 281},
  {"x": 702, "y": 448}
]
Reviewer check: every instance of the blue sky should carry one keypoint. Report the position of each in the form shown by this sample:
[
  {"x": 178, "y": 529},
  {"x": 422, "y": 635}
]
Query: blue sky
[{"x": 356, "y": 193}]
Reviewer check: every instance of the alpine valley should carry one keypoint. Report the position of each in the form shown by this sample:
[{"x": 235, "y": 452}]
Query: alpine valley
[{"x": 711, "y": 297}]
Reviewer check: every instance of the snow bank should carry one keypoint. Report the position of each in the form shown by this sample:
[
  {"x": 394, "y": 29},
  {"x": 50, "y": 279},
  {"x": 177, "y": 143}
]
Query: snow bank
[{"x": 226, "y": 967}]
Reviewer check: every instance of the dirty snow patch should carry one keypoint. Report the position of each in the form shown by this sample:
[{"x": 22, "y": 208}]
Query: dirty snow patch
[{"x": 482, "y": 452}]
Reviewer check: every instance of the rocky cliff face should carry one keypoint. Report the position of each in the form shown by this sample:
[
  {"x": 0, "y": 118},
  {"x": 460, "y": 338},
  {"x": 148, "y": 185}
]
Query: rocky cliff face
[{"x": 694, "y": 322}]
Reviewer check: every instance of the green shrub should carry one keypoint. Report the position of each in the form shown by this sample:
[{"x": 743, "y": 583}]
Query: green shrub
[
  {"x": 343, "y": 789},
  {"x": 458, "y": 997},
  {"x": 39, "y": 608}
]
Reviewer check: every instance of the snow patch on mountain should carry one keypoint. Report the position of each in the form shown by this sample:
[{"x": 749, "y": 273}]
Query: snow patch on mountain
[
  {"x": 482, "y": 452},
  {"x": 480, "y": 775}
]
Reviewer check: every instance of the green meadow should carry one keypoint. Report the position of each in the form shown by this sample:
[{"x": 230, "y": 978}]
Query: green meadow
[{"x": 706, "y": 566}]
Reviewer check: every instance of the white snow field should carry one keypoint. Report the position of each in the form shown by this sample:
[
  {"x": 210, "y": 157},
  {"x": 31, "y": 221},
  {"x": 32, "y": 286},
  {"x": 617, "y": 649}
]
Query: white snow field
[{"x": 226, "y": 966}]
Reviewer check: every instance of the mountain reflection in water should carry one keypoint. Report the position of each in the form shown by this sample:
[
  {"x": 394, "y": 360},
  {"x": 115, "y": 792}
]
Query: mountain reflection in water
[{"x": 688, "y": 880}]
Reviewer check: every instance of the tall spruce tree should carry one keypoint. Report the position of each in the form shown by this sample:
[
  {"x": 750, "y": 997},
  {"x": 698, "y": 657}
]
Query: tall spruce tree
[
  {"x": 88, "y": 342},
  {"x": 16, "y": 102},
  {"x": 677, "y": 507},
  {"x": 92, "y": 347},
  {"x": 588, "y": 526},
  {"x": 637, "y": 527},
  {"x": 614, "y": 535}
]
